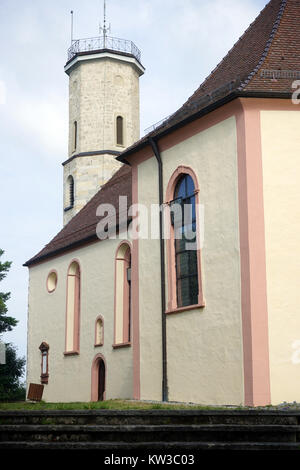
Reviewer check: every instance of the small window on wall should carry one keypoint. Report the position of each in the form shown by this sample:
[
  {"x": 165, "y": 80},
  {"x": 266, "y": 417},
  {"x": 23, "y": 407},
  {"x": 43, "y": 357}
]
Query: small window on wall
[
  {"x": 51, "y": 281},
  {"x": 99, "y": 331},
  {"x": 120, "y": 130},
  {"x": 44, "y": 348},
  {"x": 75, "y": 136}
]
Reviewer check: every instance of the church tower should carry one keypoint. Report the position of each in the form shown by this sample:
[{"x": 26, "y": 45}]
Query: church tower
[{"x": 103, "y": 113}]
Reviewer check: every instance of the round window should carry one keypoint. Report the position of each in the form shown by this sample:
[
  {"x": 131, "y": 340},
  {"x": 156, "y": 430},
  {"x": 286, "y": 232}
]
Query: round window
[{"x": 52, "y": 281}]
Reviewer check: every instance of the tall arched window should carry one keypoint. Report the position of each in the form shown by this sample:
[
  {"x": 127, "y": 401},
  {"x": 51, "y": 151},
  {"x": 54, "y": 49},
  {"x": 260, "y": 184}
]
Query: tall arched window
[
  {"x": 184, "y": 257},
  {"x": 73, "y": 309},
  {"x": 75, "y": 135},
  {"x": 120, "y": 130},
  {"x": 69, "y": 203},
  {"x": 123, "y": 296},
  {"x": 184, "y": 222}
]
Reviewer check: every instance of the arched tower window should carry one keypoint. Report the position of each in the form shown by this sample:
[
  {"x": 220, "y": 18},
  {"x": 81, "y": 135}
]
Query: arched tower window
[
  {"x": 184, "y": 256},
  {"x": 120, "y": 130},
  {"x": 75, "y": 135},
  {"x": 73, "y": 309},
  {"x": 70, "y": 192},
  {"x": 123, "y": 295}
]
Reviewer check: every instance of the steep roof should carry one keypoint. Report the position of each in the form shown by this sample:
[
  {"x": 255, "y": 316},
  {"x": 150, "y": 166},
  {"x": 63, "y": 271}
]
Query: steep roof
[
  {"x": 265, "y": 59},
  {"x": 82, "y": 227}
]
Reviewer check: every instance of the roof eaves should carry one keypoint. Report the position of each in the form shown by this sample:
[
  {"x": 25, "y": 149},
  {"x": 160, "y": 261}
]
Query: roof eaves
[{"x": 200, "y": 113}]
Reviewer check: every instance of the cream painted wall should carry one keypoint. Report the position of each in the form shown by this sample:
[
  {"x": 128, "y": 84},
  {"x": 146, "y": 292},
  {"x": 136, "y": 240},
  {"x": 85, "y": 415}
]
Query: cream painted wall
[
  {"x": 70, "y": 376},
  {"x": 205, "y": 355},
  {"x": 281, "y": 178}
]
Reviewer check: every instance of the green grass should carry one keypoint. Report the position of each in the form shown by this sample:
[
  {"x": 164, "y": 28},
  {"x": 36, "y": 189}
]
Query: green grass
[{"x": 104, "y": 405}]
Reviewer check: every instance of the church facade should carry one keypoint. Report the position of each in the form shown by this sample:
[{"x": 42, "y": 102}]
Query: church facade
[{"x": 206, "y": 310}]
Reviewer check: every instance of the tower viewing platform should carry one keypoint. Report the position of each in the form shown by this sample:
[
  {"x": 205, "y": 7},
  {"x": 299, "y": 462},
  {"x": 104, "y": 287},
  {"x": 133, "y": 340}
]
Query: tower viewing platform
[{"x": 103, "y": 43}]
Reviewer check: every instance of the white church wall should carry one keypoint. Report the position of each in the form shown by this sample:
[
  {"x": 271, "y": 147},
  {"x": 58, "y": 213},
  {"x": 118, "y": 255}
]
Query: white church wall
[
  {"x": 204, "y": 346},
  {"x": 70, "y": 376}
]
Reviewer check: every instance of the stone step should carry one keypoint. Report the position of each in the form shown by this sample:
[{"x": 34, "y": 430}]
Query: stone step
[
  {"x": 149, "y": 447},
  {"x": 150, "y": 433},
  {"x": 150, "y": 417}
]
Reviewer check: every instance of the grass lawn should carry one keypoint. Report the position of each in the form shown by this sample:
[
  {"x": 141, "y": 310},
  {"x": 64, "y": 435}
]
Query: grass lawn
[{"x": 102, "y": 405}]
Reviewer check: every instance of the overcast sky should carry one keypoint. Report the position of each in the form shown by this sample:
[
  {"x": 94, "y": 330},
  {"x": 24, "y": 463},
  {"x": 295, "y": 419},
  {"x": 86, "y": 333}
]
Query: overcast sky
[{"x": 181, "y": 42}]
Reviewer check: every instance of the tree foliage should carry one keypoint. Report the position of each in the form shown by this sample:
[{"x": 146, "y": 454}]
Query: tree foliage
[
  {"x": 11, "y": 372},
  {"x": 6, "y": 323},
  {"x": 11, "y": 388}
]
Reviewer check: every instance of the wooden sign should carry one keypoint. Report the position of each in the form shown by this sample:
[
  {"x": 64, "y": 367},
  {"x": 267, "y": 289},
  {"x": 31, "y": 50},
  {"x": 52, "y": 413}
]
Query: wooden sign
[{"x": 35, "y": 392}]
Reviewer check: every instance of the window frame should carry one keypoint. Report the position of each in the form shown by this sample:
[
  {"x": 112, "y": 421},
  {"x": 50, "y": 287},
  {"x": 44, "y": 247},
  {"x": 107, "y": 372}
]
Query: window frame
[
  {"x": 126, "y": 259},
  {"x": 96, "y": 343},
  {"x": 118, "y": 143},
  {"x": 172, "y": 304},
  {"x": 70, "y": 193},
  {"x": 75, "y": 135},
  {"x": 76, "y": 311}
]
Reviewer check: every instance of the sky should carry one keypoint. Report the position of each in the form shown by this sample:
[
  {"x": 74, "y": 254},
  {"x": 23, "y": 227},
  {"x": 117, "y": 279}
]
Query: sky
[{"x": 181, "y": 42}]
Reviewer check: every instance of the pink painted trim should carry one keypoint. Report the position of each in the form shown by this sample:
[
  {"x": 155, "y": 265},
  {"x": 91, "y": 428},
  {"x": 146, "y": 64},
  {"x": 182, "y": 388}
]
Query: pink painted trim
[
  {"x": 76, "y": 336},
  {"x": 121, "y": 345},
  {"x": 50, "y": 272},
  {"x": 126, "y": 290},
  {"x": 185, "y": 309},
  {"x": 95, "y": 377},
  {"x": 71, "y": 353},
  {"x": 253, "y": 256},
  {"x": 135, "y": 297},
  {"x": 171, "y": 267},
  {"x": 100, "y": 317}
]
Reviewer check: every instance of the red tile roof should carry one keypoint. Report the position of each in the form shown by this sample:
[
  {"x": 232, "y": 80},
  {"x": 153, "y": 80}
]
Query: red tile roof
[
  {"x": 82, "y": 227},
  {"x": 265, "y": 59},
  {"x": 269, "y": 48}
]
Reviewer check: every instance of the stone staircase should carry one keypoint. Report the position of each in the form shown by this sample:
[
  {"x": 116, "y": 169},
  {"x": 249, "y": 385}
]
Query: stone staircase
[{"x": 151, "y": 430}]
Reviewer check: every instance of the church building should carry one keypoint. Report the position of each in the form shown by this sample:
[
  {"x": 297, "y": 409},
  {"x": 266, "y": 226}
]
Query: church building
[{"x": 205, "y": 307}]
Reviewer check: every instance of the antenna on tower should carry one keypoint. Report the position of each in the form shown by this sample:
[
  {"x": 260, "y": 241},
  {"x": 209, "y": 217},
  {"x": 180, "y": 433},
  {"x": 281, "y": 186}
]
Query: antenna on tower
[
  {"x": 71, "y": 26},
  {"x": 104, "y": 29}
]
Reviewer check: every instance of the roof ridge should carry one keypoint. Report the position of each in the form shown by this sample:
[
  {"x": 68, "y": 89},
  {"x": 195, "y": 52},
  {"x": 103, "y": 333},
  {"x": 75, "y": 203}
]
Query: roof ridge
[{"x": 268, "y": 44}]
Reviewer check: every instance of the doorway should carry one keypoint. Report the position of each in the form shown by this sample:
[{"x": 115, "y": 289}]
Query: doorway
[
  {"x": 99, "y": 369},
  {"x": 101, "y": 380}
]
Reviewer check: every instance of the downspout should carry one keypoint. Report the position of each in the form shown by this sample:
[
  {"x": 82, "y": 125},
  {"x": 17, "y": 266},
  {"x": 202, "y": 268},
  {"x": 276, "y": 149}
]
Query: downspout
[{"x": 155, "y": 149}]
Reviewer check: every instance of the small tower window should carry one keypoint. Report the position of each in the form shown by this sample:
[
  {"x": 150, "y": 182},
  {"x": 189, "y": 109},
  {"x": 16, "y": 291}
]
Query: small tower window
[
  {"x": 69, "y": 193},
  {"x": 120, "y": 130},
  {"x": 75, "y": 135}
]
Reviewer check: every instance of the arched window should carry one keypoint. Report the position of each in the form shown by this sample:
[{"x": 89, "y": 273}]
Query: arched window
[
  {"x": 69, "y": 192},
  {"x": 184, "y": 257},
  {"x": 75, "y": 136},
  {"x": 184, "y": 222},
  {"x": 123, "y": 296},
  {"x": 73, "y": 309},
  {"x": 120, "y": 130},
  {"x": 99, "y": 331}
]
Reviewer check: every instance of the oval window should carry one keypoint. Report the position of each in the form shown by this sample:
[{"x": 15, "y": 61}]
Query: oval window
[{"x": 52, "y": 281}]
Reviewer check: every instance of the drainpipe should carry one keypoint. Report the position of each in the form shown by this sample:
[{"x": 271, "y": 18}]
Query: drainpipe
[{"x": 155, "y": 149}]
